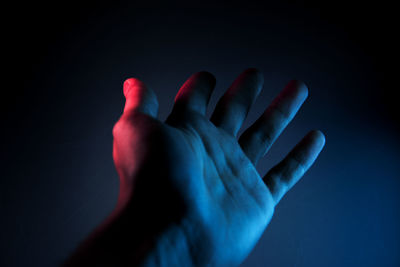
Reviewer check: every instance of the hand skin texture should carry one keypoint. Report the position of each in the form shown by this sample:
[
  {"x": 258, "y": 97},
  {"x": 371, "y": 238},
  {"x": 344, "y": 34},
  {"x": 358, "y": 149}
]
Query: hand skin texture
[{"x": 190, "y": 194}]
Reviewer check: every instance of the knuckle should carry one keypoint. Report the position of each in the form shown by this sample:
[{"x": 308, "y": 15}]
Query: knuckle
[
  {"x": 120, "y": 126},
  {"x": 126, "y": 122},
  {"x": 116, "y": 128}
]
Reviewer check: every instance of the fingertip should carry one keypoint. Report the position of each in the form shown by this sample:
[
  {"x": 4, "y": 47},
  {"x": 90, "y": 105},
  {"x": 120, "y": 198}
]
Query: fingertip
[
  {"x": 256, "y": 73},
  {"x": 139, "y": 97},
  {"x": 299, "y": 87},
  {"x": 208, "y": 76},
  {"x": 253, "y": 70},
  {"x": 317, "y": 138},
  {"x": 130, "y": 84}
]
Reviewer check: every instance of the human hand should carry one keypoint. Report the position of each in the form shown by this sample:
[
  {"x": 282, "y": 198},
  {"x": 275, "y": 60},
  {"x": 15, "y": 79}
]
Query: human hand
[{"x": 189, "y": 190}]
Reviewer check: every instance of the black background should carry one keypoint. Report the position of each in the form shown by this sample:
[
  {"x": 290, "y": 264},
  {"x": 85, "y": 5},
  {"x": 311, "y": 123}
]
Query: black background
[{"x": 64, "y": 64}]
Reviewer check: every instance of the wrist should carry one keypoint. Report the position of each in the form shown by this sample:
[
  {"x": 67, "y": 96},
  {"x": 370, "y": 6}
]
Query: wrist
[{"x": 130, "y": 237}]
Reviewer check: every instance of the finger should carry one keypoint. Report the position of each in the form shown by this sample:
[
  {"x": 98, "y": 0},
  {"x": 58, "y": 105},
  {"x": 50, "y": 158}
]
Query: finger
[
  {"x": 234, "y": 105},
  {"x": 259, "y": 137},
  {"x": 285, "y": 174},
  {"x": 139, "y": 98},
  {"x": 195, "y": 93}
]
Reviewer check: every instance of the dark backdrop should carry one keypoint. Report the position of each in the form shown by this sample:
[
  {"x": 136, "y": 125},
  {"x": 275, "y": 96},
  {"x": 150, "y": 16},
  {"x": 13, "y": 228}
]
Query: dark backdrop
[{"x": 65, "y": 63}]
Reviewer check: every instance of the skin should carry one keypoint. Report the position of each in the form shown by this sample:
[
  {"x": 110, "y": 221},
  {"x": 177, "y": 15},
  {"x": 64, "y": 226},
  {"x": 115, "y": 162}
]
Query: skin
[{"x": 189, "y": 190}]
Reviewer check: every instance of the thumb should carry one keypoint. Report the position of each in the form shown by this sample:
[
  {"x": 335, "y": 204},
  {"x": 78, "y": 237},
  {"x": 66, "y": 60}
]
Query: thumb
[{"x": 139, "y": 98}]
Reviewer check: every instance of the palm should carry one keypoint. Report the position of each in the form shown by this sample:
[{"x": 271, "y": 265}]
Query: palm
[
  {"x": 198, "y": 168},
  {"x": 229, "y": 193}
]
